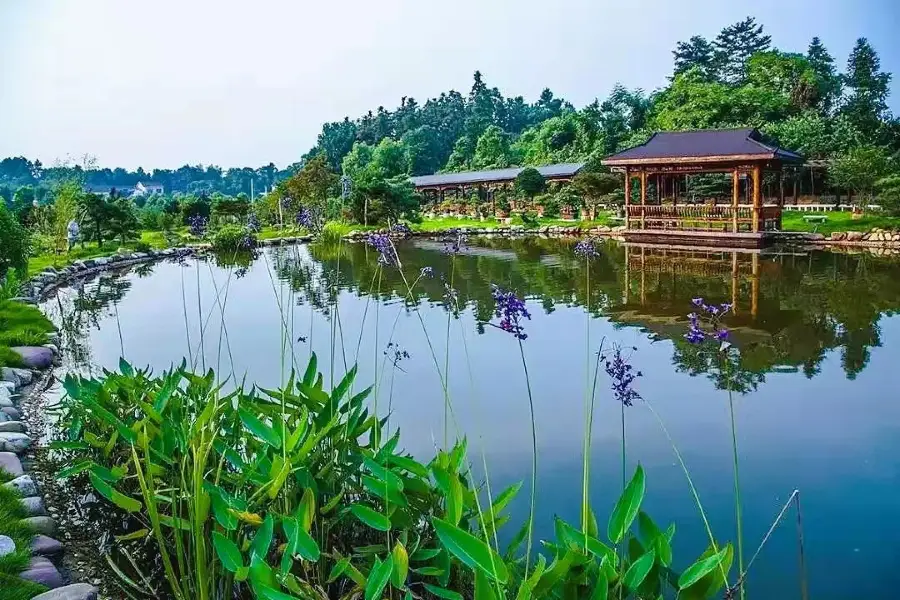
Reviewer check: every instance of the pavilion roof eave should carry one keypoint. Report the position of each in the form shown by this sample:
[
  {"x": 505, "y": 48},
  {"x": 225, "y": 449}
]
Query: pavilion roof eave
[{"x": 712, "y": 161}]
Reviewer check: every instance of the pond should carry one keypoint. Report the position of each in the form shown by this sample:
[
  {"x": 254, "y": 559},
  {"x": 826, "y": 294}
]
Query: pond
[{"x": 817, "y": 410}]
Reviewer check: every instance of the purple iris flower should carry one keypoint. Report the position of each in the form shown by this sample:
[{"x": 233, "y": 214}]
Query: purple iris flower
[
  {"x": 511, "y": 310},
  {"x": 382, "y": 243}
]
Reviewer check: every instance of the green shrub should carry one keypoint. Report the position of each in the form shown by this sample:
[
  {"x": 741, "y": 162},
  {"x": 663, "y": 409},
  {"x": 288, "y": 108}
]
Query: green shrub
[
  {"x": 233, "y": 238},
  {"x": 142, "y": 247},
  {"x": 334, "y": 231},
  {"x": 14, "y": 243}
]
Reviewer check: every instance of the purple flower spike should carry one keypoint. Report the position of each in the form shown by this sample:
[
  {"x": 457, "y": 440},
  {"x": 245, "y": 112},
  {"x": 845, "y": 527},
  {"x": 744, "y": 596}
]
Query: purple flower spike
[
  {"x": 511, "y": 310},
  {"x": 697, "y": 301},
  {"x": 387, "y": 256},
  {"x": 586, "y": 249},
  {"x": 722, "y": 335},
  {"x": 623, "y": 376},
  {"x": 305, "y": 218},
  {"x": 426, "y": 272},
  {"x": 253, "y": 225}
]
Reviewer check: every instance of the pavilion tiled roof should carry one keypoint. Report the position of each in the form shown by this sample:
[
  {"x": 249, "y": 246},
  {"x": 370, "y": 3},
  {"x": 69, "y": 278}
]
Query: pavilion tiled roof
[
  {"x": 703, "y": 145},
  {"x": 494, "y": 175}
]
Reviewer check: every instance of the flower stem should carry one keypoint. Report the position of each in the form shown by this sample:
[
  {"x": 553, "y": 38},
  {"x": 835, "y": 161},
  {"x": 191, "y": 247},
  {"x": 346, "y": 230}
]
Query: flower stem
[{"x": 533, "y": 460}]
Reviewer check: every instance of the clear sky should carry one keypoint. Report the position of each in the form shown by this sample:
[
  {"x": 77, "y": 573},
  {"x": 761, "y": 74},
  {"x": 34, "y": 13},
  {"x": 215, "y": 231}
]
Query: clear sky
[{"x": 244, "y": 82}]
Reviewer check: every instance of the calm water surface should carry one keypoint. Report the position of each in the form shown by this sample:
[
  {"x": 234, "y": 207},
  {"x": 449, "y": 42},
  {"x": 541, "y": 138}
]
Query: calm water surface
[{"x": 819, "y": 408}]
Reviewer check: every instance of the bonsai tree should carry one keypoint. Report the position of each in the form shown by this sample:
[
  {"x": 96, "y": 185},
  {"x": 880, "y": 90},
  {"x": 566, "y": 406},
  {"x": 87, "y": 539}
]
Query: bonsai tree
[{"x": 530, "y": 182}]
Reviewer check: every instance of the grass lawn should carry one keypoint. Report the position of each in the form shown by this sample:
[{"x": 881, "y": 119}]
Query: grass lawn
[
  {"x": 792, "y": 220},
  {"x": 11, "y": 514},
  {"x": 20, "y": 325},
  {"x": 445, "y": 223}
]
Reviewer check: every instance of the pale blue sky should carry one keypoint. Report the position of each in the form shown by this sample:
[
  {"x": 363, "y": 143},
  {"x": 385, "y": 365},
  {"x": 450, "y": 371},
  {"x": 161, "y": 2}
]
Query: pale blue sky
[{"x": 241, "y": 83}]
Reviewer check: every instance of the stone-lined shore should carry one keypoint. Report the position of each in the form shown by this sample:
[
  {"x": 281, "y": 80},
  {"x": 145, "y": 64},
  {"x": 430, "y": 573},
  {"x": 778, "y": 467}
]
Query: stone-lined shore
[{"x": 20, "y": 390}]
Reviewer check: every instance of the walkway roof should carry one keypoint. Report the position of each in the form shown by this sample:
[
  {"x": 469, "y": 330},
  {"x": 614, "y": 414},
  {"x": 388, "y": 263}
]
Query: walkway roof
[
  {"x": 560, "y": 171},
  {"x": 702, "y": 146}
]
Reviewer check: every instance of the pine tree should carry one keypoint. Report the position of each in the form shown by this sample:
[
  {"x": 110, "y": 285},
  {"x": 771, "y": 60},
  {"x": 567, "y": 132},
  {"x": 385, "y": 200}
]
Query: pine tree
[
  {"x": 866, "y": 103},
  {"x": 735, "y": 45},
  {"x": 696, "y": 52},
  {"x": 829, "y": 81}
]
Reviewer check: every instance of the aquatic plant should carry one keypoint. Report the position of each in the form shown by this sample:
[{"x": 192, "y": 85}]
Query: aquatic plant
[
  {"x": 455, "y": 242},
  {"x": 511, "y": 311},
  {"x": 197, "y": 225},
  {"x": 277, "y": 494}
]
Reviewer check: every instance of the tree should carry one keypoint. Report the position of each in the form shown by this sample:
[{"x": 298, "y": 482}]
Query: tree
[
  {"x": 389, "y": 158},
  {"x": 594, "y": 185},
  {"x": 309, "y": 187},
  {"x": 335, "y": 141},
  {"x": 424, "y": 153},
  {"x": 530, "y": 182},
  {"x": 14, "y": 243},
  {"x": 867, "y": 86},
  {"x": 234, "y": 207},
  {"x": 789, "y": 75},
  {"x": 888, "y": 189},
  {"x": 357, "y": 160},
  {"x": 94, "y": 213},
  {"x": 122, "y": 219},
  {"x": 830, "y": 84},
  {"x": 23, "y": 205},
  {"x": 384, "y": 201},
  {"x": 697, "y": 53},
  {"x": 859, "y": 170},
  {"x": 735, "y": 45},
  {"x": 492, "y": 150}
]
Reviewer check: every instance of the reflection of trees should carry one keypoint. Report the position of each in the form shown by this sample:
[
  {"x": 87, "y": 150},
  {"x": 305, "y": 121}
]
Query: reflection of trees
[
  {"x": 82, "y": 306},
  {"x": 792, "y": 310}
]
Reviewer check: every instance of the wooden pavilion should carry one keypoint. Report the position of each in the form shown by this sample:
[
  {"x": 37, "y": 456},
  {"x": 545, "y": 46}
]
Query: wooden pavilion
[{"x": 670, "y": 156}]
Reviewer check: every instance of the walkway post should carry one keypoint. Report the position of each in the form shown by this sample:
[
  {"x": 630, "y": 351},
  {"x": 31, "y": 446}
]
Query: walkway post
[
  {"x": 757, "y": 197},
  {"x": 643, "y": 198},
  {"x": 627, "y": 198},
  {"x": 735, "y": 198}
]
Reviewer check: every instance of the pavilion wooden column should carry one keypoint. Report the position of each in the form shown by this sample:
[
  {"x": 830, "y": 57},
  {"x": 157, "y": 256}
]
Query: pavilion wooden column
[
  {"x": 643, "y": 199},
  {"x": 757, "y": 196},
  {"x": 735, "y": 198},
  {"x": 627, "y": 197},
  {"x": 780, "y": 196}
]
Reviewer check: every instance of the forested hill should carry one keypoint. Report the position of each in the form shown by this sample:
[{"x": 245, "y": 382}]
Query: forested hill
[{"x": 802, "y": 99}]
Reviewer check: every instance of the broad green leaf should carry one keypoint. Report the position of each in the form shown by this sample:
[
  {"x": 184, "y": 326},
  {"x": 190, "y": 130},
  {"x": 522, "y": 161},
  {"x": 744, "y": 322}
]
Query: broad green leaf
[
  {"x": 504, "y": 498},
  {"x": 267, "y": 593},
  {"x": 338, "y": 569},
  {"x": 306, "y": 511},
  {"x": 576, "y": 540},
  {"x": 443, "y": 593},
  {"x": 408, "y": 464},
  {"x": 260, "y": 429},
  {"x": 263, "y": 539},
  {"x": 281, "y": 468},
  {"x": 484, "y": 589},
  {"x": 373, "y": 519},
  {"x": 470, "y": 550},
  {"x": 601, "y": 588},
  {"x": 654, "y": 538},
  {"x": 126, "y": 368},
  {"x": 429, "y": 571},
  {"x": 454, "y": 500},
  {"x": 310, "y": 374},
  {"x": 557, "y": 571},
  {"x": 228, "y": 552},
  {"x": 638, "y": 570},
  {"x": 299, "y": 541},
  {"x": 391, "y": 495},
  {"x": 627, "y": 507},
  {"x": 223, "y": 514},
  {"x": 384, "y": 474},
  {"x": 332, "y": 504},
  {"x": 119, "y": 499},
  {"x": 378, "y": 578},
  {"x": 700, "y": 569},
  {"x": 401, "y": 565},
  {"x": 341, "y": 388},
  {"x": 71, "y": 445},
  {"x": 425, "y": 553}
]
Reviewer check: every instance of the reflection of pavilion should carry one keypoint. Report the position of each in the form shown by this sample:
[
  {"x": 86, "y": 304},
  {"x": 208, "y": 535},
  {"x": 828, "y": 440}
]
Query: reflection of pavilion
[{"x": 741, "y": 265}]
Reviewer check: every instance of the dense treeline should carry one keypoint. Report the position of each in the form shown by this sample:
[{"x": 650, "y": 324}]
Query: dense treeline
[{"x": 802, "y": 100}]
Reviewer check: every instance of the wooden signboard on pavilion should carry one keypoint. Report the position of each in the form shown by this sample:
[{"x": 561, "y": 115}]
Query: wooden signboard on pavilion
[{"x": 668, "y": 157}]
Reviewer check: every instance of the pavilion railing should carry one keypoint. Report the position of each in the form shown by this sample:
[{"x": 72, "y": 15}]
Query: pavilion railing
[{"x": 702, "y": 217}]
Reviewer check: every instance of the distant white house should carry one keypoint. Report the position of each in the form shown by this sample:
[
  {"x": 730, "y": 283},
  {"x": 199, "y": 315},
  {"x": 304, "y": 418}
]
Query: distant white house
[{"x": 148, "y": 188}]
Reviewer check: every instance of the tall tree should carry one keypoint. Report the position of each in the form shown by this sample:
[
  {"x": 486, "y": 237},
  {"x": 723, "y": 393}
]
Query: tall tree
[
  {"x": 735, "y": 45},
  {"x": 492, "y": 149},
  {"x": 696, "y": 52},
  {"x": 867, "y": 86},
  {"x": 829, "y": 81}
]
